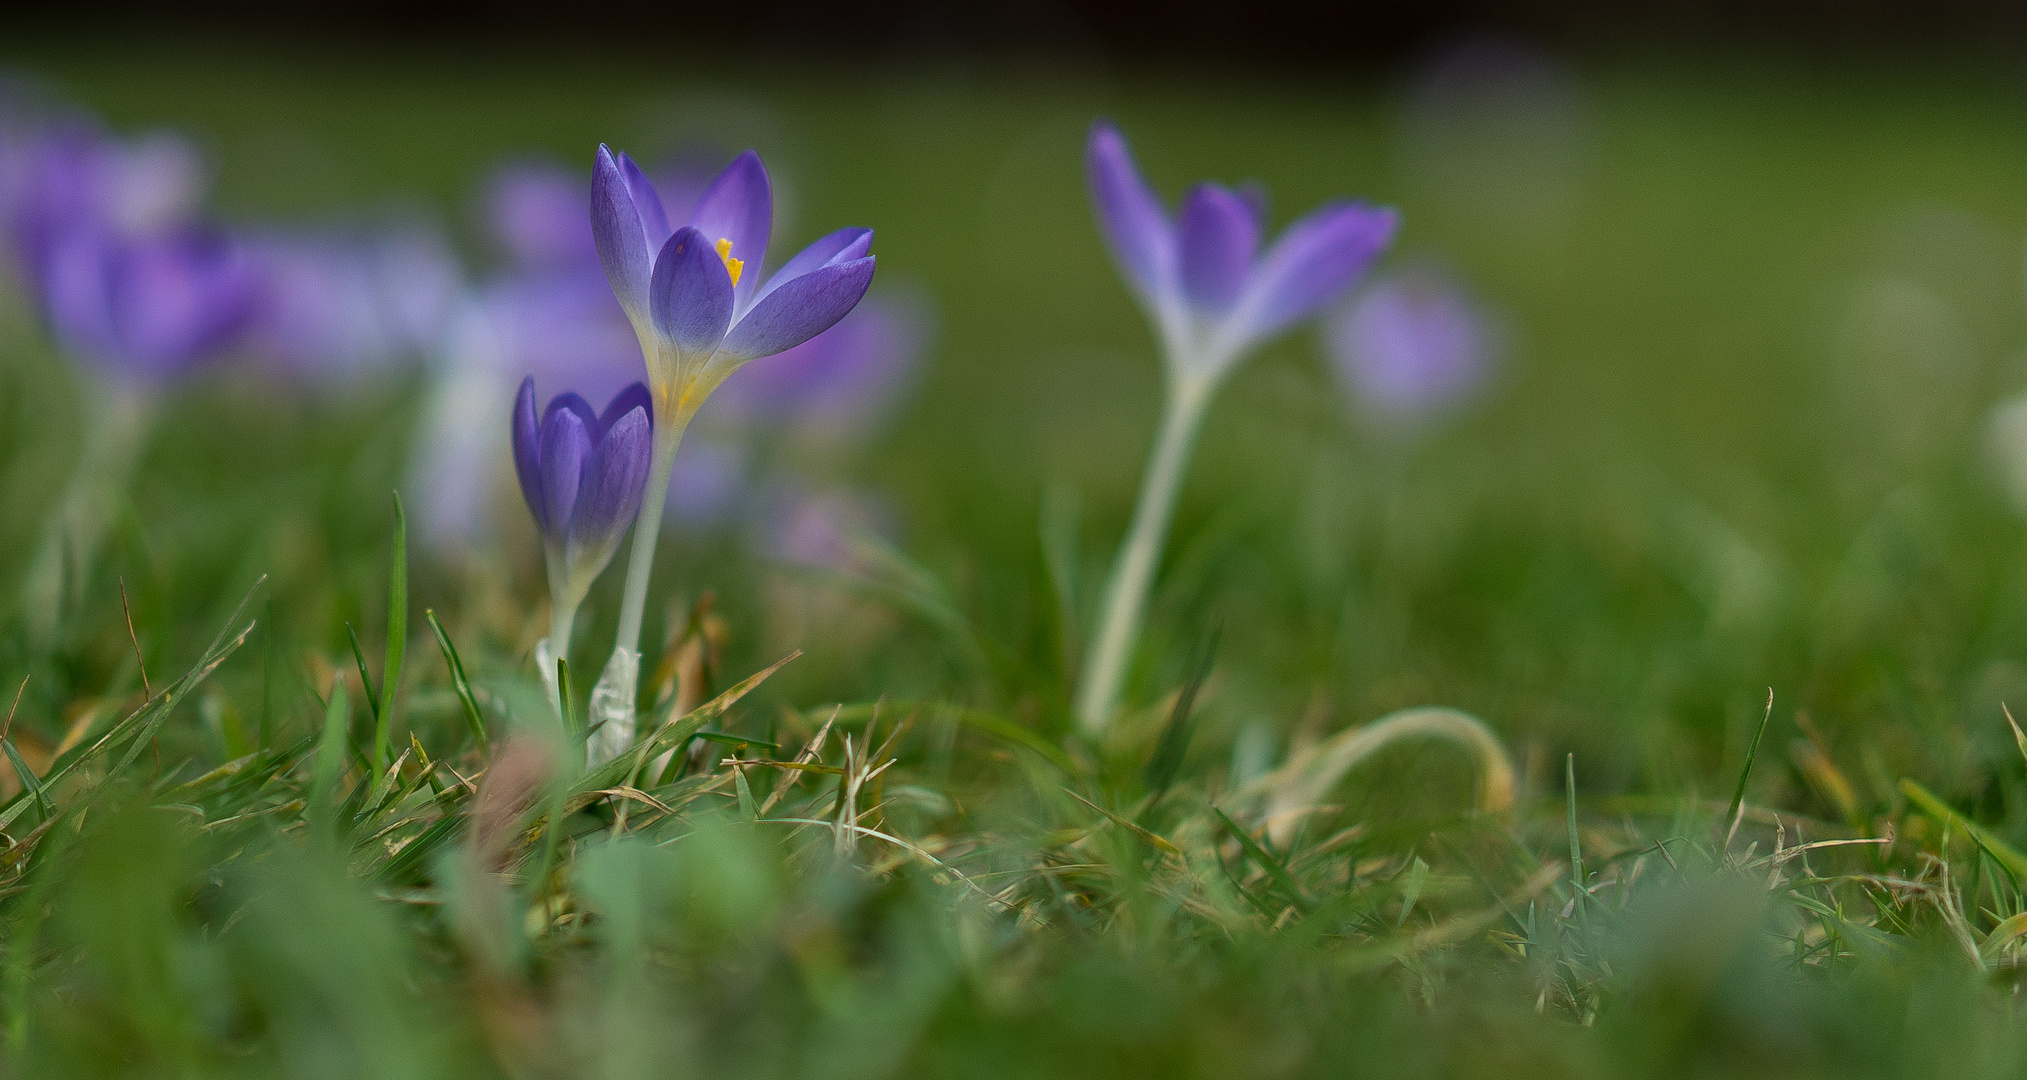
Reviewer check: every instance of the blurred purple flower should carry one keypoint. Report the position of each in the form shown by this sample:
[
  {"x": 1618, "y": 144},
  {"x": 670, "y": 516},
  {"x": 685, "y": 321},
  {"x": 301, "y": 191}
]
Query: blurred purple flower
[
  {"x": 1412, "y": 344},
  {"x": 73, "y": 173},
  {"x": 338, "y": 305},
  {"x": 534, "y": 210},
  {"x": 825, "y": 529},
  {"x": 1211, "y": 291},
  {"x": 144, "y": 308},
  {"x": 582, "y": 474},
  {"x": 695, "y": 293},
  {"x": 838, "y": 384}
]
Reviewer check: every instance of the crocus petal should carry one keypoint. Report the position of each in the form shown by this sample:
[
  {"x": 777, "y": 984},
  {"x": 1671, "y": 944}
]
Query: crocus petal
[
  {"x": 1135, "y": 225},
  {"x": 691, "y": 296},
  {"x": 565, "y": 446},
  {"x": 739, "y": 206},
  {"x": 635, "y": 396},
  {"x": 575, "y": 403},
  {"x": 614, "y": 480},
  {"x": 654, "y": 219},
  {"x": 1218, "y": 236},
  {"x": 528, "y": 452},
  {"x": 800, "y": 310},
  {"x": 841, "y": 246},
  {"x": 1312, "y": 262},
  {"x": 623, "y": 248}
]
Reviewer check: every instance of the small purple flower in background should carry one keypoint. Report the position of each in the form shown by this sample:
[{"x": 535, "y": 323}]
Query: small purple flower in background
[
  {"x": 72, "y": 173},
  {"x": 838, "y": 385},
  {"x": 534, "y": 211},
  {"x": 105, "y": 237},
  {"x": 1412, "y": 344},
  {"x": 337, "y": 306},
  {"x": 143, "y": 308},
  {"x": 582, "y": 474},
  {"x": 1213, "y": 295},
  {"x": 824, "y": 530},
  {"x": 701, "y": 306}
]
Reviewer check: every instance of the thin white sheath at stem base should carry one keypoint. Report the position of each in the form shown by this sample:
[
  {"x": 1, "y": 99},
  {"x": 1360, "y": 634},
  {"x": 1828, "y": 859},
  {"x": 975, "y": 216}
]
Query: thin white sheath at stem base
[
  {"x": 1111, "y": 650},
  {"x": 115, "y": 432},
  {"x": 611, "y": 713},
  {"x": 614, "y": 701}
]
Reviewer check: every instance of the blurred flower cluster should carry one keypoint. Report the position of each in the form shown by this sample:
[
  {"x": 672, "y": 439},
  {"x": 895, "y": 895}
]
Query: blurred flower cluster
[{"x": 109, "y": 241}]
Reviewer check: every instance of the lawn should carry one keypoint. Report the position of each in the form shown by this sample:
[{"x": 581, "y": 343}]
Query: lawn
[{"x": 1722, "y": 551}]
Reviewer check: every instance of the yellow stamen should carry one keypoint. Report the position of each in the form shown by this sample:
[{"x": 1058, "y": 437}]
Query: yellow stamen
[{"x": 732, "y": 265}]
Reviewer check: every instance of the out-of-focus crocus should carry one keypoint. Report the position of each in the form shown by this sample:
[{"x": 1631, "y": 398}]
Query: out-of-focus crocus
[
  {"x": 110, "y": 253},
  {"x": 73, "y": 174},
  {"x": 143, "y": 308},
  {"x": 1411, "y": 345},
  {"x": 1213, "y": 294},
  {"x": 338, "y": 306},
  {"x": 837, "y": 385},
  {"x": 701, "y": 307},
  {"x": 582, "y": 473}
]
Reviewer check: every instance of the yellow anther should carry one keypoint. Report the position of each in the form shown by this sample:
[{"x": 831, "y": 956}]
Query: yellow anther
[{"x": 732, "y": 265}]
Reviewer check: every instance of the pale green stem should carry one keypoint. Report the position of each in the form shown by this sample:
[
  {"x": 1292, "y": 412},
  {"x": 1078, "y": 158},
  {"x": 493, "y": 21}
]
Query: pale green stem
[
  {"x": 562, "y": 616},
  {"x": 116, "y": 425},
  {"x": 613, "y": 701},
  {"x": 1111, "y": 650}
]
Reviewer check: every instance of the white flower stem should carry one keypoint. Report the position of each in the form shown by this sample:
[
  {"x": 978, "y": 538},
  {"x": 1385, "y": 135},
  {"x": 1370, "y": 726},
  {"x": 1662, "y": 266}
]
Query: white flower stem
[
  {"x": 562, "y": 616},
  {"x": 1111, "y": 650},
  {"x": 610, "y": 716},
  {"x": 116, "y": 426}
]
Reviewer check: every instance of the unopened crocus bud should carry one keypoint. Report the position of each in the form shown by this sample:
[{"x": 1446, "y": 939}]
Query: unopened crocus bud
[{"x": 582, "y": 473}]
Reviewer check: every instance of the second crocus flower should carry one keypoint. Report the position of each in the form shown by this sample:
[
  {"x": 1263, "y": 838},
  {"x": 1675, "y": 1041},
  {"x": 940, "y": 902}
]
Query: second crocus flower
[
  {"x": 583, "y": 474},
  {"x": 1213, "y": 295}
]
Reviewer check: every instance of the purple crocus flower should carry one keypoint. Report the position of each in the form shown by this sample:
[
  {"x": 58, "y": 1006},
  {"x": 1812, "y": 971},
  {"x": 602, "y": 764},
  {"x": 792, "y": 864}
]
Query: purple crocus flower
[
  {"x": 582, "y": 473},
  {"x": 695, "y": 293},
  {"x": 1213, "y": 295},
  {"x": 1412, "y": 344},
  {"x": 143, "y": 308},
  {"x": 1212, "y": 292},
  {"x": 701, "y": 307}
]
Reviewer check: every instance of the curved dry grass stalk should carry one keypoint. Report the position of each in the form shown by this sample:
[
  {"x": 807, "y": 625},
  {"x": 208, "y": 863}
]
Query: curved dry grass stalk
[{"x": 1301, "y": 785}]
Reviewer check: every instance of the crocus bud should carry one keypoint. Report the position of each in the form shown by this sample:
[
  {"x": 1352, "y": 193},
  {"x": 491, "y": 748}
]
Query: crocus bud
[{"x": 583, "y": 474}]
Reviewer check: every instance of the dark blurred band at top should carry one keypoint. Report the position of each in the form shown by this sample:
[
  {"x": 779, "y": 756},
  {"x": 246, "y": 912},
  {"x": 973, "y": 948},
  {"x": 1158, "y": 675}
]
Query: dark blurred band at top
[{"x": 1314, "y": 36}]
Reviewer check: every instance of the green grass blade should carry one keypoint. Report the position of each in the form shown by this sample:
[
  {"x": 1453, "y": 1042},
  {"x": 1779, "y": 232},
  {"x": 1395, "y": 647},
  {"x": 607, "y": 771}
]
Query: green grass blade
[
  {"x": 28, "y": 781},
  {"x": 1576, "y": 842},
  {"x": 458, "y": 681},
  {"x": 143, "y": 721},
  {"x": 1166, "y": 761},
  {"x": 330, "y": 759},
  {"x": 397, "y": 638},
  {"x": 1736, "y": 813},
  {"x": 2000, "y": 851},
  {"x": 365, "y": 677},
  {"x": 563, "y": 699},
  {"x": 1276, "y": 873}
]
